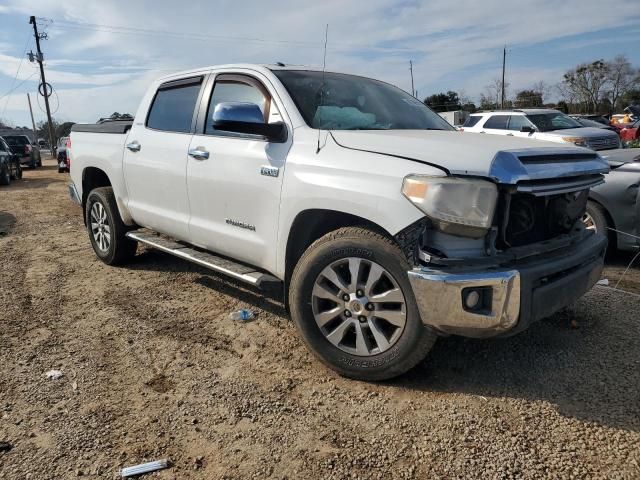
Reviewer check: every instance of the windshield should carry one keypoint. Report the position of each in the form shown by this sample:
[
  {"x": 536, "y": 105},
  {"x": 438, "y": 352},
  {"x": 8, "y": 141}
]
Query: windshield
[
  {"x": 335, "y": 101},
  {"x": 546, "y": 122},
  {"x": 15, "y": 140}
]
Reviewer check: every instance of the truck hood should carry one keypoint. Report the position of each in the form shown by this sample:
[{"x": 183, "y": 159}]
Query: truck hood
[{"x": 502, "y": 158}]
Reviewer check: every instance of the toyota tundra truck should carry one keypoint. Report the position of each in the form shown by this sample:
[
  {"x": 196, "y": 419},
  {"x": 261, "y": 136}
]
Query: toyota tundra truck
[{"x": 383, "y": 225}]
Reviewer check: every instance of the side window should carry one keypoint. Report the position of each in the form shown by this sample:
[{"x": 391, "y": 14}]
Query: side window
[
  {"x": 471, "y": 120},
  {"x": 239, "y": 88},
  {"x": 516, "y": 122},
  {"x": 2, "y": 146},
  {"x": 498, "y": 122},
  {"x": 173, "y": 106}
]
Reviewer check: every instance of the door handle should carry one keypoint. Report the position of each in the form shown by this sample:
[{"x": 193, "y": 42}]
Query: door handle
[
  {"x": 509, "y": 134},
  {"x": 199, "y": 153},
  {"x": 134, "y": 146}
]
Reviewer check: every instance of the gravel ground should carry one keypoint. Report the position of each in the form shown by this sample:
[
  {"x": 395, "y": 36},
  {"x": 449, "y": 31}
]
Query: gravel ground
[{"x": 153, "y": 368}]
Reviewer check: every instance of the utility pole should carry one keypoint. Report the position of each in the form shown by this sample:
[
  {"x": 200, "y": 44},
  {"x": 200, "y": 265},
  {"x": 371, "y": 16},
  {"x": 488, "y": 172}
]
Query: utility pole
[
  {"x": 413, "y": 92},
  {"x": 45, "y": 93},
  {"x": 33, "y": 123},
  {"x": 504, "y": 59}
]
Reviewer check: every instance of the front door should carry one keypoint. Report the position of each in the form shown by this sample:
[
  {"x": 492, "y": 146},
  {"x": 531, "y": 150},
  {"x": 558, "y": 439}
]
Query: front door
[
  {"x": 155, "y": 159},
  {"x": 234, "y": 194}
]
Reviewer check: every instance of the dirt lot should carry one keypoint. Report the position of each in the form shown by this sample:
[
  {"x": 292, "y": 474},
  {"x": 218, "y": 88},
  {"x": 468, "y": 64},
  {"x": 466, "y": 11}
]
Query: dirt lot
[{"x": 153, "y": 368}]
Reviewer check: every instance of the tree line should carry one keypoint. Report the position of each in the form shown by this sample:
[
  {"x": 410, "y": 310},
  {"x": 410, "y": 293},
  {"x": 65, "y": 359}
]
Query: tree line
[{"x": 603, "y": 86}]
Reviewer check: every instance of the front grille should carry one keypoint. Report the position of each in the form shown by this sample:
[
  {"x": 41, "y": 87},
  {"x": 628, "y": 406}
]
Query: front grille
[
  {"x": 526, "y": 218},
  {"x": 602, "y": 143}
]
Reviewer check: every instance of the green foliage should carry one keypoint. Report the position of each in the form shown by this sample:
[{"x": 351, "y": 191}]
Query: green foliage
[
  {"x": 443, "y": 102},
  {"x": 528, "y": 99}
]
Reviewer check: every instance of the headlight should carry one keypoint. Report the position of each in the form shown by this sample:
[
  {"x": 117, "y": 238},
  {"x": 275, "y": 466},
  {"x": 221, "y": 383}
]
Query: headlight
[
  {"x": 459, "y": 206},
  {"x": 579, "y": 141}
]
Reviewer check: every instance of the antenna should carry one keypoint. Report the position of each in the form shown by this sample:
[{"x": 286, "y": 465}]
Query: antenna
[{"x": 324, "y": 67}]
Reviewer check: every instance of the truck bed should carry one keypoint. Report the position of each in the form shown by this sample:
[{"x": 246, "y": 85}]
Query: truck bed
[{"x": 117, "y": 126}]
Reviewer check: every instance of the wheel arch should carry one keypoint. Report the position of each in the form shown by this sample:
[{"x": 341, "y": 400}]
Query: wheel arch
[{"x": 310, "y": 225}]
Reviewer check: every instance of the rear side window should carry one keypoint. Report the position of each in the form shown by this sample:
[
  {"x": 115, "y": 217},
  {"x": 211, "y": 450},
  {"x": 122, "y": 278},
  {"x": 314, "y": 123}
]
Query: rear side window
[
  {"x": 471, "y": 120},
  {"x": 498, "y": 122},
  {"x": 16, "y": 140},
  {"x": 173, "y": 106}
]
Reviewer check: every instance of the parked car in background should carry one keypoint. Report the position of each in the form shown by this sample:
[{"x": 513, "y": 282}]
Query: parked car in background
[
  {"x": 43, "y": 144},
  {"x": 61, "y": 155},
  {"x": 381, "y": 224},
  {"x": 10, "y": 168},
  {"x": 27, "y": 153},
  {"x": 630, "y": 133},
  {"x": 542, "y": 124},
  {"x": 594, "y": 118},
  {"x": 615, "y": 204},
  {"x": 586, "y": 122}
]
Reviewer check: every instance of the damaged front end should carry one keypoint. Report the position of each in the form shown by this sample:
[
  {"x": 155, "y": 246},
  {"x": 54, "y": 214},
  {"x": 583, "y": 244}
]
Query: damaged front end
[{"x": 534, "y": 258}]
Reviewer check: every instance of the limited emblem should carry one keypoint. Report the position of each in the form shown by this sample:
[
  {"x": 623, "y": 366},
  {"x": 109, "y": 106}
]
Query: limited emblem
[
  {"x": 269, "y": 171},
  {"x": 237, "y": 223}
]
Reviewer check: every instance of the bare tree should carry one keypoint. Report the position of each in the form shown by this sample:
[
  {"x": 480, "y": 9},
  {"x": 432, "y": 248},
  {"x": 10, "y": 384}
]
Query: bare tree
[
  {"x": 493, "y": 91},
  {"x": 541, "y": 88},
  {"x": 622, "y": 78},
  {"x": 588, "y": 82}
]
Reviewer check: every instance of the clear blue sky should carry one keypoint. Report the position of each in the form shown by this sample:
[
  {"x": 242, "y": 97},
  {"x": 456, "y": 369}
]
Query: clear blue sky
[{"x": 99, "y": 59}]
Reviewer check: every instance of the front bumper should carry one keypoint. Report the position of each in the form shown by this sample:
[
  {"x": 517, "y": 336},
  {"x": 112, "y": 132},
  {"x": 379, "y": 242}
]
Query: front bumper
[{"x": 512, "y": 296}]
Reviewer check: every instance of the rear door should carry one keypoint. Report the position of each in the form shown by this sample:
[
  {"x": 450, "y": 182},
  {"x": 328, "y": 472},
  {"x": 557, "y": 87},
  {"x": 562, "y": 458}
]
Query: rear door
[
  {"x": 496, "y": 124},
  {"x": 235, "y": 193},
  {"x": 155, "y": 158}
]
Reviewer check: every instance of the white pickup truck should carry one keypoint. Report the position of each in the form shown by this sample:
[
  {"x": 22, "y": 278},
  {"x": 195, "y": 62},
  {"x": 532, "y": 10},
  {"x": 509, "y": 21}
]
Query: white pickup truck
[{"x": 384, "y": 226}]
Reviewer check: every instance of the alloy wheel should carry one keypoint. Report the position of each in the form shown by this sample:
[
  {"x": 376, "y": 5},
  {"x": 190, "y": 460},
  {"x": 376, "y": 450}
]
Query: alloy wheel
[
  {"x": 100, "y": 227},
  {"x": 589, "y": 223},
  {"x": 359, "y": 306}
]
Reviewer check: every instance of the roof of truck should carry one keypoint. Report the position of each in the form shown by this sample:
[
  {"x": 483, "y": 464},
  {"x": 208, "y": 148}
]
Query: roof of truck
[{"x": 248, "y": 66}]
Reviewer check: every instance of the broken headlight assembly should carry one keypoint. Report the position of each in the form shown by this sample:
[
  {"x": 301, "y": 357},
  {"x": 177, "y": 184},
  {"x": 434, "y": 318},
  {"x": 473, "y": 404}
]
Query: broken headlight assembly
[{"x": 458, "y": 206}]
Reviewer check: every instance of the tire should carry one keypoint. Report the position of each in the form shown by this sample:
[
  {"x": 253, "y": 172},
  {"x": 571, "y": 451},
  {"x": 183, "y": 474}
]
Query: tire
[
  {"x": 109, "y": 242},
  {"x": 5, "y": 176},
  {"x": 371, "y": 359},
  {"x": 595, "y": 218},
  {"x": 39, "y": 164},
  {"x": 18, "y": 171}
]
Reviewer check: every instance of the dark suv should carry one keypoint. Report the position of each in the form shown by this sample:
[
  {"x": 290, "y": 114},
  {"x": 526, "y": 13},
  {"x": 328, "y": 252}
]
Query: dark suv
[
  {"x": 9, "y": 165},
  {"x": 21, "y": 146}
]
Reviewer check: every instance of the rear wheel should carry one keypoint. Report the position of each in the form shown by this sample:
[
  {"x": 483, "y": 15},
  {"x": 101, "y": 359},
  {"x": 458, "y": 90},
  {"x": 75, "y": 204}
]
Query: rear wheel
[
  {"x": 106, "y": 229},
  {"x": 352, "y": 302}
]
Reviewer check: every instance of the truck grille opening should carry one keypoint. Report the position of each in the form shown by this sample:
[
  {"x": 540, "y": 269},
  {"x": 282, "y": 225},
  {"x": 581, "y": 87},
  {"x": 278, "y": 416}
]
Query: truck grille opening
[{"x": 527, "y": 218}]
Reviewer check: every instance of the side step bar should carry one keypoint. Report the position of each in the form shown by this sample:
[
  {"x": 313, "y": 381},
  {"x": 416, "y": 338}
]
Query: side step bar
[{"x": 208, "y": 260}]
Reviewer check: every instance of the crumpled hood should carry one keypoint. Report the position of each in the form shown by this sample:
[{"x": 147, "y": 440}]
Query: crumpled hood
[{"x": 456, "y": 152}]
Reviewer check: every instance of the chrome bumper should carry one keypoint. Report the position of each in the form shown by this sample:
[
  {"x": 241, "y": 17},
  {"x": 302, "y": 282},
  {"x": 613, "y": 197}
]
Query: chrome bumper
[
  {"x": 513, "y": 296},
  {"x": 73, "y": 194},
  {"x": 440, "y": 301}
]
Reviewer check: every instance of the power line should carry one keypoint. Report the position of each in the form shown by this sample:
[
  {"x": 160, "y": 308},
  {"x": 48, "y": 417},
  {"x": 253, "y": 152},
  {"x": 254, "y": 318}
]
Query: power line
[
  {"x": 19, "y": 85},
  {"x": 24, "y": 52},
  {"x": 201, "y": 36}
]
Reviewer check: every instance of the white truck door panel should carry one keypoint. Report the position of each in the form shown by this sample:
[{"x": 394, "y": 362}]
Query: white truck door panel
[
  {"x": 234, "y": 194},
  {"x": 155, "y": 177},
  {"x": 155, "y": 159}
]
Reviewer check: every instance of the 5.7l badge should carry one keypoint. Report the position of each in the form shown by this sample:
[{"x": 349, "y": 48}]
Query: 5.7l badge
[{"x": 269, "y": 171}]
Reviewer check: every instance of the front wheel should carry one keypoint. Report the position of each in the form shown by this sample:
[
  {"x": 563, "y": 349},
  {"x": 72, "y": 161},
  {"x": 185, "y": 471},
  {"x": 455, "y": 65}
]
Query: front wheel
[
  {"x": 106, "y": 229},
  {"x": 352, "y": 302}
]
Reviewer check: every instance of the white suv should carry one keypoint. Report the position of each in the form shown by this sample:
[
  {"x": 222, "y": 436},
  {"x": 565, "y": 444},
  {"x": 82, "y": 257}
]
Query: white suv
[{"x": 542, "y": 124}]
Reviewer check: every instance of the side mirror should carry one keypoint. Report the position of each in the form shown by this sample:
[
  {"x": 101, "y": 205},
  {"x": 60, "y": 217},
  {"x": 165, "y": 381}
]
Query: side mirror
[
  {"x": 527, "y": 129},
  {"x": 247, "y": 118}
]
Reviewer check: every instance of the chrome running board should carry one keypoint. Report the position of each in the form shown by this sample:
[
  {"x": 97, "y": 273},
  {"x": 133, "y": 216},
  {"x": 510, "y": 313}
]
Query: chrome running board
[{"x": 239, "y": 271}]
